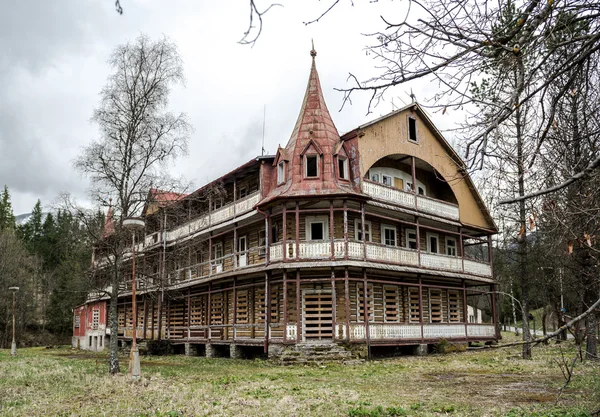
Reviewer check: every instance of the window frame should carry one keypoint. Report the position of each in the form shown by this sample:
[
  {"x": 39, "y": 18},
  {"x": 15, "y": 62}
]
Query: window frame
[
  {"x": 437, "y": 237},
  {"x": 374, "y": 177},
  {"x": 408, "y": 239},
  {"x": 358, "y": 230},
  {"x": 408, "y": 120},
  {"x": 314, "y": 220},
  {"x": 391, "y": 179},
  {"x": 316, "y": 156},
  {"x": 385, "y": 227},
  {"x": 262, "y": 242},
  {"x": 281, "y": 172},
  {"x": 217, "y": 259},
  {"x": 455, "y": 247},
  {"x": 343, "y": 163}
]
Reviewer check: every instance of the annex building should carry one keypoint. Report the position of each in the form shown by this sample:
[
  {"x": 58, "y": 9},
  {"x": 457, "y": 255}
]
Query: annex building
[{"x": 373, "y": 239}]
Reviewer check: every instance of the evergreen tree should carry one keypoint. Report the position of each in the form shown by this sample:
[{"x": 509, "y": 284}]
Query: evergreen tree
[{"x": 7, "y": 218}]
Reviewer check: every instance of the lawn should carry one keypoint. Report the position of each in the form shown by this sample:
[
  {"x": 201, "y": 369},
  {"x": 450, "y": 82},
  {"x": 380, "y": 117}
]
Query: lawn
[{"x": 496, "y": 382}]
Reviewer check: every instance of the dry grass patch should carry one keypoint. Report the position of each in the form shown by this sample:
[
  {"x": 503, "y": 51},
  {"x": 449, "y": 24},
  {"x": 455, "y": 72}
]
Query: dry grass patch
[{"x": 474, "y": 383}]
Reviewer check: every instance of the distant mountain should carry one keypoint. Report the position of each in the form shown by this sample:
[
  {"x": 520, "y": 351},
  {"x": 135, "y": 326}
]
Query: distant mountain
[{"x": 21, "y": 219}]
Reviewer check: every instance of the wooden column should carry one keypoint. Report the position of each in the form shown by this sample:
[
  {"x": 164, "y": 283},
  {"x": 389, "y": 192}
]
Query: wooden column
[
  {"x": 421, "y": 305},
  {"x": 418, "y": 240},
  {"x": 285, "y": 312},
  {"x": 333, "y": 305},
  {"x": 209, "y": 255},
  {"x": 234, "y": 301},
  {"x": 494, "y": 310},
  {"x": 145, "y": 317},
  {"x": 465, "y": 310},
  {"x": 284, "y": 232},
  {"x": 413, "y": 170},
  {"x": 490, "y": 253},
  {"x": 298, "y": 308},
  {"x": 331, "y": 230},
  {"x": 297, "y": 230},
  {"x": 366, "y": 309},
  {"x": 234, "y": 194},
  {"x": 209, "y": 315},
  {"x": 267, "y": 237},
  {"x": 347, "y": 302},
  {"x": 189, "y": 312},
  {"x": 346, "y": 229},
  {"x": 462, "y": 248},
  {"x": 364, "y": 237},
  {"x": 235, "y": 246},
  {"x": 267, "y": 312},
  {"x": 152, "y": 322}
]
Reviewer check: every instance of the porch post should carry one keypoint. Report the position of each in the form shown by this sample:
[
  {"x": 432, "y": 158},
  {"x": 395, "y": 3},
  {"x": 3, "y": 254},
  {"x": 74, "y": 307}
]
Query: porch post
[
  {"x": 364, "y": 237},
  {"x": 465, "y": 310},
  {"x": 189, "y": 312},
  {"x": 462, "y": 248},
  {"x": 331, "y": 230},
  {"x": 298, "y": 308},
  {"x": 346, "y": 229},
  {"x": 235, "y": 246},
  {"x": 347, "y": 302},
  {"x": 209, "y": 311},
  {"x": 285, "y": 312},
  {"x": 234, "y": 296},
  {"x": 494, "y": 310},
  {"x": 366, "y": 310},
  {"x": 267, "y": 311},
  {"x": 284, "y": 232},
  {"x": 418, "y": 241},
  {"x": 145, "y": 316},
  {"x": 297, "y": 230},
  {"x": 267, "y": 237},
  {"x": 413, "y": 170},
  {"x": 209, "y": 255},
  {"x": 333, "y": 305},
  {"x": 421, "y": 306}
]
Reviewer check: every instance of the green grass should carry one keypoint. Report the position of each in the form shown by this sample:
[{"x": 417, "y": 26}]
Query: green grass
[{"x": 62, "y": 382}]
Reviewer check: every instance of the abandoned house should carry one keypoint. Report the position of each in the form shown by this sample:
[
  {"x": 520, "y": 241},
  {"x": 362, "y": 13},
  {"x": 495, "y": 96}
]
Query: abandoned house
[{"x": 373, "y": 239}]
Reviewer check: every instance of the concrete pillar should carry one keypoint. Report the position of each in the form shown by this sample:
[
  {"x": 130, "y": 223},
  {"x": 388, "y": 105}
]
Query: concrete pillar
[
  {"x": 420, "y": 350},
  {"x": 190, "y": 349},
  {"x": 234, "y": 351},
  {"x": 209, "y": 351}
]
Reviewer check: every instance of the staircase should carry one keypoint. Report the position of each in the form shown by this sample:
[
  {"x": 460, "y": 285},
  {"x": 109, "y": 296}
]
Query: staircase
[{"x": 315, "y": 353}]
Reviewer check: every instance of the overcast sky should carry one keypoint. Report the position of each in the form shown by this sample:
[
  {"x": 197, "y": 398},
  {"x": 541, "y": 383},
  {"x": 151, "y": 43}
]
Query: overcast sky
[{"x": 53, "y": 66}]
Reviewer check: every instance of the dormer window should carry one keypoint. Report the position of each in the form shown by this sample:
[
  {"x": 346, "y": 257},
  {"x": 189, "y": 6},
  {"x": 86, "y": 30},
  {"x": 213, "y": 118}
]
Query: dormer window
[
  {"x": 281, "y": 172},
  {"x": 311, "y": 166},
  {"x": 343, "y": 168},
  {"x": 412, "y": 129}
]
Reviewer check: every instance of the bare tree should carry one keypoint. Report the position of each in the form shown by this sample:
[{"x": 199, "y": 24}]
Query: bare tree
[{"x": 138, "y": 139}]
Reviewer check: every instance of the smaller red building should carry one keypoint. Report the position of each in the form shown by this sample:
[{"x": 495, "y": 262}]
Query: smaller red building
[{"x": 89, "y": 326}]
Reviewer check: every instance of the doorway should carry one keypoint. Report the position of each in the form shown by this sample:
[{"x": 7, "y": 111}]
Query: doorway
[
  {"x": 317, "y": 317},
  {"x": 242, "y": 248}
]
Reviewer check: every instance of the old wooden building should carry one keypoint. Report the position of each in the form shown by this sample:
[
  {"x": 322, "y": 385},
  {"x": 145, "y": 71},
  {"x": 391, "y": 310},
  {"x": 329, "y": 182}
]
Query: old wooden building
[{"x": 371, "y": 239}]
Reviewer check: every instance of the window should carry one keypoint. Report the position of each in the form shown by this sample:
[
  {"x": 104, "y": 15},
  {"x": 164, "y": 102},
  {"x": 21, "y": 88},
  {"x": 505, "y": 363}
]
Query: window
[
  {"x": 412, "y": 129},
  {"x": 274, "y": 233},
  {"x": 262, "y": 241},
  {"x": 316, "y": 227},
  {"x": 414, "y": 310},
  {"x": 360, "y": 304},
  {"x": 312, "y": 167},
  {"x": 243, "y": 192},
  {"x": 375, "y": 177},
  {"x": 453, "y": 307},
  {"x": 411, "y": 239},
  {"x": 281, "y": 172},
  {"x": 387, "y": 180},
  {"x": 450, "y": 246},
  {"x": 432, "y": 243},
  {"x": 217, "y": 204},
  {"x": 388, "y": 235},
  {"x": 343, "y": 168},
  {"x": 77, "y": 320},
  {"x": 435, "y": 306},
  {"x": 391, "y": 303},
  {"x": 95, "y": 319},
  {"x": 218, "y": 253},
  {"x": 421, "y": 190},
  {"x": 358, "y": 230}
]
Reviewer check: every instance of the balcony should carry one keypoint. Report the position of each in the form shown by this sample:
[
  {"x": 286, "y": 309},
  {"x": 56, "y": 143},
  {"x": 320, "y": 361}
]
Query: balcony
[
  {"x": 220, "y": 215},
  {"x": 322, "y": 250},
  {"x": 410, "y": 200},
  {"x": 385, "y": 331}
]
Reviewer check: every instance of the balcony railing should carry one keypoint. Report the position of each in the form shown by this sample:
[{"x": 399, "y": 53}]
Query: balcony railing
[
  {"x": 384, "y": 331},
  {"x": 410, "y": 200},
  {"x": 316, "y": 250},
  {"x": 214, "y": 217}
]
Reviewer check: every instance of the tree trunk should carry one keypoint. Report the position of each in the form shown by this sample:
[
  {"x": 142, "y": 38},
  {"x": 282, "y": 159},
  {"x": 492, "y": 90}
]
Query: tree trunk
[
  {"x": 113, "y": 364},
  {"x": 591, "y": 326}
]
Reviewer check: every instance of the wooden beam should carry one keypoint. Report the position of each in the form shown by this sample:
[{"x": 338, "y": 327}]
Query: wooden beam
[
  {"x": 284, "y": 233},
  {"x": 297, "y": 230},
  {"x": 347, "y": 302},
  {"x": 298, "y": 307},
  {"x": 366, "y": 308},
  {"x": 267, "y": 311},
  {"x": 331, "y": 230},
  {"x": 285, "y": 312},
  {"x": 421, "y": 306},
  {"x": 364, "y": 237},
  {"x": 345, "y": 229},
  {"x": 333, "y": 305}
]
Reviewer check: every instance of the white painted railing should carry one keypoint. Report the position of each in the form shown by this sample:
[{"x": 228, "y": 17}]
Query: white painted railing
[
  {"x": 315, "y": 250},
  {"x": 355, "y": 250},
  {"x": 392, "y": 254},
  {"x": 339, "y": 248},
  {"x": 481, "y": 330},
  {"x": 407, "y": 199},
  {"x": 214, "y": 217},
  {"x": 444, "y": 331},
  {"x": 478, "y": 268},
  {"x": 449, "y": 263},
  {"x": 275, "y": 252},
  {"x": 389, "y": 194},
  {"x": 437, "y": 207}
]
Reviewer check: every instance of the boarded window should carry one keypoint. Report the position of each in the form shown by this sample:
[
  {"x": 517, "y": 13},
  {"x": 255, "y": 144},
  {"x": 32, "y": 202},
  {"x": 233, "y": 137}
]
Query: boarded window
[
  {"x": 275, "y": 290},
  {"x": 241, "y": 316},
  {"x": 391, "y": 303},
  {"x": 77, "y": 321},
  {"x": 361, "y": 302},
  {"x": 95, "y": 319},
  {"x": 435, "y": 306},
  {"x": 281, "y": 172},
  {"x": 414, "y": 311},
  {"x": 453, "y": 307}
]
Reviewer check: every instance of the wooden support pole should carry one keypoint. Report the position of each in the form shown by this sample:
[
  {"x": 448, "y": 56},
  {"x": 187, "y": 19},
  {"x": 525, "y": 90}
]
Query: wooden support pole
[
  {"x": 209, "y": 255},
  {"x": 494, "y": 311},
  {"x": 418, "y": 241},
  {"x": 298, "y": 308},
  {"x": 189, "y": 312},
  {"x": 267, "y": 311},
  {"x": 145, "y": 318},
  {"x": 465, "y": 310},
  {"x": 234, "y": 194},
  {"x": 413, "y": 170},
  {"x": 267, "y": 237},
  {"x": 333, "y": 306},
  {"x": 462, "y": 248},
  {"x": 284, "y": 248},
  {"x": 363, "y": 228},
  {"x": 347, "y": 302},
  {"x": 331, "y": 231},
  {"x": 366, "y": 310},
  {"x": 234, "y": 301},
  {"x": 421, "y": 306},
  {"x": 297, "y": 230},
  {"x": 235, "y": 246},
  {"x": 209, "y": 312},
  {"x": 345, "y": 229},
  {"x": 285, "y": 300},
  {"x": 152, "y": 322}
]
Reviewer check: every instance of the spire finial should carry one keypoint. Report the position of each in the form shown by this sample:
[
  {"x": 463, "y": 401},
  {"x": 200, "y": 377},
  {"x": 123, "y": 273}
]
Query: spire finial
[{"x": 313, "y": 53}]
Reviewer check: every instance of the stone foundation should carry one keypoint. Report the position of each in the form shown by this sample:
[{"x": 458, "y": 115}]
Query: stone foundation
[
  {"x": 316, "y": 353},
  {"x": 421, "y": 350}
]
